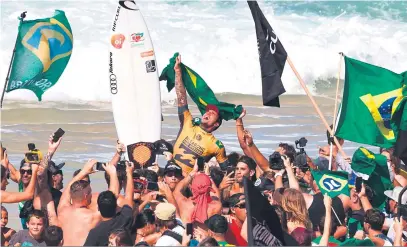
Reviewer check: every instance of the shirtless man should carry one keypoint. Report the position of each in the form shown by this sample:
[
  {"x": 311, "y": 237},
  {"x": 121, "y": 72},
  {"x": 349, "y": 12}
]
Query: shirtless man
[
  {"x": 76, "y": 219},
  {"x": 190, "y": 211}
]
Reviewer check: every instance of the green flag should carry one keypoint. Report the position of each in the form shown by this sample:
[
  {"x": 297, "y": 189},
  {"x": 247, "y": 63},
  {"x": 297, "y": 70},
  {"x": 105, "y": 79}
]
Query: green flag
[
  {"x": 198, "y": 90},
  {"x": 372, "y": 96},
  {"x": 332, "y": 182},
  {"x": 373, "y": 169},
  {"x": 357, "y": 242},
  {"x": 43, "y": 49}
]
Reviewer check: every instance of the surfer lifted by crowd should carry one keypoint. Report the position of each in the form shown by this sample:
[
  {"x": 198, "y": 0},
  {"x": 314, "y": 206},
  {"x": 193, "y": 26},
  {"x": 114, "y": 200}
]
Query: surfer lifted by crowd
[{"x": 196, "y": 139}]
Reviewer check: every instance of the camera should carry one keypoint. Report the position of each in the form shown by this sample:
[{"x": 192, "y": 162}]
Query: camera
[
  {"x": 275, "y": 161},
  {"x": 33, "y": 155},
  {"x": 300, "y": 160}
]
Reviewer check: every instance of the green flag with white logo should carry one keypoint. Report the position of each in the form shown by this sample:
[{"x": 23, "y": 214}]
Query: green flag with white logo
[
  {"x": 43, "y": 49},
  {"x": 333, "y": 183},
  {"x": 372, "y": 97},
  {"x": 375, "y": 173}
]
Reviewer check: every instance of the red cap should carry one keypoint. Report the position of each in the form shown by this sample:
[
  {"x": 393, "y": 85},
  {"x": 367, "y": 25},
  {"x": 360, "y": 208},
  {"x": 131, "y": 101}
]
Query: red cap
[{"x": 213, "y": 108}]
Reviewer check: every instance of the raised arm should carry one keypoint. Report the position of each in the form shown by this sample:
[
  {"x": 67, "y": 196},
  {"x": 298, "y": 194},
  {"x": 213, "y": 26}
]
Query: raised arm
[
  {"x": 179, "y": 84},
  {"x": 66, "y": 197},
  {"x": 261, "y": 161},
  {"x": 240, "y": 134},
  {"x": 119, "y": 150},
  {"x": 327, "y": 224},
  {"x": 114, "y": 185},
  {"x": 129, "y": 193},
  {"x": 14, "y": 197},
  {"x": 183, "y": 184}
]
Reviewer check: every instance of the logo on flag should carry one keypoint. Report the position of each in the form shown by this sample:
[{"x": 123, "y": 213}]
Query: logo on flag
[
  {"x": 332, "y": 183},
  {"x": 49, "y": 42},
  {"x": 382, "y": 108}
]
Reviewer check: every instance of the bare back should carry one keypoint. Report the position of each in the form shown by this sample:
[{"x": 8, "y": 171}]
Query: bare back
[
  {"x": 76, "y": 224},
  {"x": 187, "y": 208}
]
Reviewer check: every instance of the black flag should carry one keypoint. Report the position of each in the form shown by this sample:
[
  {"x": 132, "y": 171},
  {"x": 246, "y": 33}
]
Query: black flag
[
  {"x": 263, "y": 224},
  {"x": 272, "y": 57}
]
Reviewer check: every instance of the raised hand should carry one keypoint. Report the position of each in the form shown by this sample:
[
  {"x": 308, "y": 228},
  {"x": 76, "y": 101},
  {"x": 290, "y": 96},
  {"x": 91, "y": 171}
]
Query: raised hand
[
  {"x": 120, "y": 148},
  {"x": 110, "y": 169},
  {"x": 243, "y": 114},
  {"x": 248, "y": 138},
  {"x": 88, "y": 167},
  {"x": 53, "y": 146},
  {"x": 177, "y": 67},
  {"x": 227, "y": 181}
]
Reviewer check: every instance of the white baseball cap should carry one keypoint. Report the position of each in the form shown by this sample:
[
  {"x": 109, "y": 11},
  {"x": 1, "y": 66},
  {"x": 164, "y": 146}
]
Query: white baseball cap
[{"x": 394, "y": 194}]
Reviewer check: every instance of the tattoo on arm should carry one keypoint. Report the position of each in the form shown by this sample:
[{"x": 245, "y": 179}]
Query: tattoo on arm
[{"x": 180, "y": 90}]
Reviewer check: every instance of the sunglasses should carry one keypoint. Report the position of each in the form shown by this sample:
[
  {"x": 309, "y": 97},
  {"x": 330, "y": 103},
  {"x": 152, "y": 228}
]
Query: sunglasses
[
  {"x": 173, "y": 174},
  {"x": 240, "y": 205},
  {"x": 29, "y": 172}
]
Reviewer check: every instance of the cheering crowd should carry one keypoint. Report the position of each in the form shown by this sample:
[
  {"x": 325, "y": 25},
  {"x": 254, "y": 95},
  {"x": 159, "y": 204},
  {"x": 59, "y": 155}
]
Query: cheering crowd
[{"x": 199, "y": 197}]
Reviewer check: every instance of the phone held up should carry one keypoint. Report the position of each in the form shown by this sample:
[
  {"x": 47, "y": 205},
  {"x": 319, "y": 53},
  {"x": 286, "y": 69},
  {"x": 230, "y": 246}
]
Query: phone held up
[
  {"x": 358, "y": 184},
  {"x": 58, "y": 134}
]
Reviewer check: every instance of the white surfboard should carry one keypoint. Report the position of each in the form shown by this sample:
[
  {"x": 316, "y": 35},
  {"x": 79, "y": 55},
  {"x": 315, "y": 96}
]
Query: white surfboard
[{"x": 133, "y": 74}]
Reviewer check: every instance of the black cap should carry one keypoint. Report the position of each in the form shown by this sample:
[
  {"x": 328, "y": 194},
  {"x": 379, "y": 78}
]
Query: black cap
[
  {"x": 234, "y": 199},
  {"x": 162, "y": 146},
  {"x": 263, "y": 183},
  {"x": 217, "y": 223},
  {"x": 172, "y": 167},
  {"x": 55, "y": 169}
]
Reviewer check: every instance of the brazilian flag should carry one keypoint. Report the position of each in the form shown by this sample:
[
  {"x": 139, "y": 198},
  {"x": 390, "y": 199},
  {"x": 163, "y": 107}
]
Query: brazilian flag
[
  {"x": 198, "y": 90},
  {"x": 373, "y": 100},
  {"x": 333, "y": 183},
  {"x": 42, "y": 52},
  {"x": 375, "y": 173}
]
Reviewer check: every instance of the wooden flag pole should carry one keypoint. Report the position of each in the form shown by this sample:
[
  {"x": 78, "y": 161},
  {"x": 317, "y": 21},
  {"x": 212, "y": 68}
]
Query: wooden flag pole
[
  {"x": 336, "y": 105},
  {"x": 316, "y": 106},
  {"x": 22, "y": 16}
]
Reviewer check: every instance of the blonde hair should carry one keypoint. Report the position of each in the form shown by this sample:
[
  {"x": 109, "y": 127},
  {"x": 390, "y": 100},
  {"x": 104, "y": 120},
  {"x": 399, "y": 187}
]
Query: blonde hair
[{"x": 294, "y": 205}]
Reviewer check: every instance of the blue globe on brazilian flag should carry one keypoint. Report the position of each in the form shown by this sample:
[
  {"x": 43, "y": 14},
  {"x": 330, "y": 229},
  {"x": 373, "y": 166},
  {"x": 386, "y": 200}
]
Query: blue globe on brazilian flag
[{"x": 333, "y": 183}]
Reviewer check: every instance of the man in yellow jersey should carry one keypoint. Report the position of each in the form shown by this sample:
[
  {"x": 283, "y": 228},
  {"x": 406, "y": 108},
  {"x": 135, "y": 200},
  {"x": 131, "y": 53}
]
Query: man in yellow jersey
[{"x": 195, "y": 141}]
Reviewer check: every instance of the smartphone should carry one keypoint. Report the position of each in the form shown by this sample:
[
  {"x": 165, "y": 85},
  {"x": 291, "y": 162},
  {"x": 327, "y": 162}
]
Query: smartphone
[
  {"x": 201, "y": 164},
  {"x": 229, "y": 170},
  {"x": 99, "y": 166},
  {"x": 358, "y": 184},
  {"x": 152, "y": 186},
  {"x": 190, "y": 229},
  {"x": 58, "y": 134}
]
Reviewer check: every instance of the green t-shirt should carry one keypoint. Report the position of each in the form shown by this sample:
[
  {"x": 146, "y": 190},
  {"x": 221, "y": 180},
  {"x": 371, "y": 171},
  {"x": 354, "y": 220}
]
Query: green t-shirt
[{"x": 331, "y": 241}]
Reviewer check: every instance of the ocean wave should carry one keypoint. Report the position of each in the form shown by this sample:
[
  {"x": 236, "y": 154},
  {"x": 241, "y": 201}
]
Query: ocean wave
[{"x": 218, "y": 41}]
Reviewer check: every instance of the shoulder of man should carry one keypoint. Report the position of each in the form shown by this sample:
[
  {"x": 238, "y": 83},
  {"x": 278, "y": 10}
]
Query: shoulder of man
[{"x": 219, "y": 144}]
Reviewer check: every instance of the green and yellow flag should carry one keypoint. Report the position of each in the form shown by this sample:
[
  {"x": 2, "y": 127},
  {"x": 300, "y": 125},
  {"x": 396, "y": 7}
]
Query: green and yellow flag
[
  {"x": 375, "y": 173},
  {"x": 43, "y": 49},
  {"x": 333, "y": 183},
  {"x": 371, "y": 100},
  {"x": 198, "y": 90}
]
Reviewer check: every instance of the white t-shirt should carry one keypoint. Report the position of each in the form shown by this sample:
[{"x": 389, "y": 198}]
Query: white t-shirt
[{"x": 169, "y": 241}]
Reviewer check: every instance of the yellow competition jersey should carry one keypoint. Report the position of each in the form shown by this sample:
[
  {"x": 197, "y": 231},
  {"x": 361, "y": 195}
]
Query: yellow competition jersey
[{"x": 194, "y": 142}]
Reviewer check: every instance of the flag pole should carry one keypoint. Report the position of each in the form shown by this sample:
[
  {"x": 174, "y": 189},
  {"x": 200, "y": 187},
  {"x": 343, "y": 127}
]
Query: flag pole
[
  {"x": 316, "y": 106},
  {"x": 22, "y": 16},
  {"x": 336, "y": 105}
]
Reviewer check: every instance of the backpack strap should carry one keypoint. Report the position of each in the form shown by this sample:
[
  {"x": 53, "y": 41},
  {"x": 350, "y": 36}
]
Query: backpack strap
[{"x": 174, "y": 235}]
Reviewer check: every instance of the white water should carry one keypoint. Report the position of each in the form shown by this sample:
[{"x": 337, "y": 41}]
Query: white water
[{"x": 216, "y": 41}]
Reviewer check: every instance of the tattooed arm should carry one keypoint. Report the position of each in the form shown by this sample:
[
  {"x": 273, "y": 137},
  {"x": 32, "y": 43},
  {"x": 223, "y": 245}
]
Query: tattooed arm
[{"x": 179, "y": 84}]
